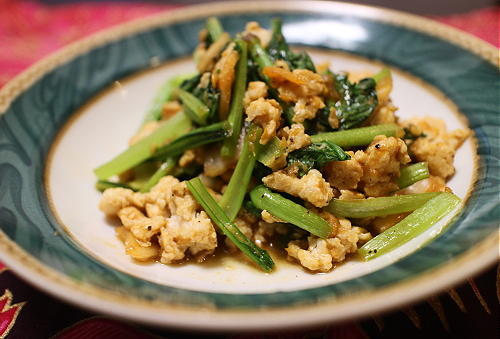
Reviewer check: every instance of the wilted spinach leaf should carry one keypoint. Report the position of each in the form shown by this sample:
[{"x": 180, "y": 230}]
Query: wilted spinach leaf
[
  {"x": 278, "y": 49},
  {"x": 208, "y": 95},
  {"x": 357, "y": 100},
  {"x": 316, "y": 156}
]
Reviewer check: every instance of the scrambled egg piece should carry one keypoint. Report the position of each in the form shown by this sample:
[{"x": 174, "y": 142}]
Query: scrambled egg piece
[
  {"x": 439, "y": 146},
  {"x": 306, "y": 108},
  {"x": 142, "y": 227},
  {"x": 114, "y": 199},
  {"x": 381, "y": 163},
  {"x": 172, "y": 214},
  {"x": 311, "y": 187},
  {"x": 295, "y": 137},
  {"x": 344, "y": 175},
  {"x": 317, "y": 254},
  {"x": 300, "y": 86},
  {"x": 255, "y": 90},
  {"x": 196, "y": 236},
  {"x": 265, "y": 113}
]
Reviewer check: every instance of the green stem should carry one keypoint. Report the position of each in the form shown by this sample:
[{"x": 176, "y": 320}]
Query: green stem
[
  {"x": 215, "y": 212},
  {"x": 195, "y": 109},
  {"x": 376, "y": 207},
  {"x": 166, "y": 168},
  {"x": 144, "y": 149},
  {"x": 357, "y": 136},
  {"x": 287, "y": 210},
  {"x": 413, "y": 173},
  {"x": 261, "y": 57},
  {"x": 235, "y": 117},
  {"x": 163, "y": 95},
  {"x": 233, "y": 196},
  {"x": 411, "y": 226},
  {"x": 195, "y": 138},
  {"x": 214, "y": 28}
]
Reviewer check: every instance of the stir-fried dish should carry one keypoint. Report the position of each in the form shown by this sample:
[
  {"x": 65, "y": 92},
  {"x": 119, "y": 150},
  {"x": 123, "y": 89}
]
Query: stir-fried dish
[{"x": 261, "y": 148}]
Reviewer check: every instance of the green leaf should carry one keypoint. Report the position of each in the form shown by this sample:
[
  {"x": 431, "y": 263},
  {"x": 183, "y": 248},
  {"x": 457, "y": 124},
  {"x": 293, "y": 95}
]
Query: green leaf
[
  {"x": 316, "y": 155},
  {"x": 357, "y": 101}
]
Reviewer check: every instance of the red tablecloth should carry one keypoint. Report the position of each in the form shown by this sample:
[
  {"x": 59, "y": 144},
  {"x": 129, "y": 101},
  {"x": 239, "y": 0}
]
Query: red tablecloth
[{"x": 30, "y": 30}]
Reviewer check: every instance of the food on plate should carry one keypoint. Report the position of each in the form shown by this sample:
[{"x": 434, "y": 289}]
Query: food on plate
[{"x": 261, "y": 148}]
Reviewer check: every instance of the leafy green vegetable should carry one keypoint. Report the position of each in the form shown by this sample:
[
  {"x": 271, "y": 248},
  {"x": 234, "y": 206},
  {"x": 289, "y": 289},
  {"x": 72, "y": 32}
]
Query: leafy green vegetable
[
  {"x": 163, "y": 95},
  {"x": 302, "y": 60},
  {"x": 195, "y": 138},
  {"x": 236, "y": 188},
  {"x": 413, "y": 173},
  {"x": 235, "y": 117},
  {"x": 279, "y": 50},
  {"x": 316, "y": 156},
  {"x": 417, "y": 222},
  {"x": 173, "y": 128},
  {"x": 214, "y": 29},
  {"x": 250, "y": 207},
  {"x": 321, "y": 121},
  {"x": 194, "y": 108},
  {"x": 357, "y": 101},
  {"x": 376, "y": 207},
  {"x": 190, "y": 84},
  {"x": 289, "y": 211},
  {"x": 208, "y": 97},
  {"x": 357, "y": 136},
  {"x": 215, "y": 212},
  {"x": 271, "y": 151},
  {"x": 166, "y": 168}
]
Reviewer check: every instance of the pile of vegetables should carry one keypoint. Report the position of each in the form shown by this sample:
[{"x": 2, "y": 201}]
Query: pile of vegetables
[{"x": 210, "y": 116}]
